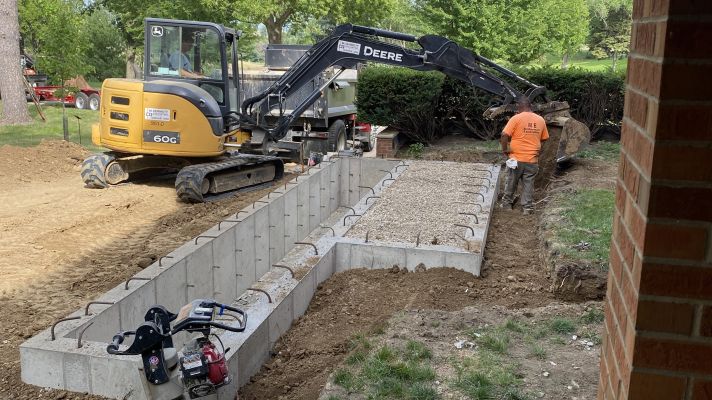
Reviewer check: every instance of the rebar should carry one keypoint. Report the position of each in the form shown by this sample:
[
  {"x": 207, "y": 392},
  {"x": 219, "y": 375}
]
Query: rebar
[
  {"x": 482, "y": 195},
  {"x": 285, "y": 267},
  {"x": 86, "y": 308},
  {"x": 203, "y": 236},
  {"x": 333, "y": 233},
  {"x": 226, "y": 220},
  {"x": 269, "y": 298},
  {"x": 51, "y": 330},
  {"x": 347, "y": 216},
  {"x": 369, "y": 188},
  {"x": 477, "y": 185},
  {"x": 371, "y": 197},
  {"x": 386, "y": 180},
  {"x": 160, "y": 260},
  {"x": 472, "y": 231},
  {"x": 386, "y": 171},
  {"x": 134, "y": 278},
  {"x": 316, "y": 250},
  {"x": 81, "y": 333},
  {"x": 477, "y": 220}
]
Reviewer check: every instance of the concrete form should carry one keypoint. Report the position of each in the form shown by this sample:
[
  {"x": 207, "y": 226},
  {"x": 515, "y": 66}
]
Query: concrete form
[{"x": 224, "y": 263}]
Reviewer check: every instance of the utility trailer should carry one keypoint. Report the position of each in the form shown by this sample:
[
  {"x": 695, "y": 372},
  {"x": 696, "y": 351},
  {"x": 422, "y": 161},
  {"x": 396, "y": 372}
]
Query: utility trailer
[
  {"x": 89, "y": 99},
  {"x": 325, "y": 126}
]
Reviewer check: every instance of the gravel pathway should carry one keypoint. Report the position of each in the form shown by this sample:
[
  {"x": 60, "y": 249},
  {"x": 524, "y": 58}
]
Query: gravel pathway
[{"x": 427, "y": 199}]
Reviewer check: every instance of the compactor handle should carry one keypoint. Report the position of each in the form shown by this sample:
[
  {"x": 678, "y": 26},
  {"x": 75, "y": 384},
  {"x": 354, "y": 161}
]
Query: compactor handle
[{"x": 113, "y": 348}]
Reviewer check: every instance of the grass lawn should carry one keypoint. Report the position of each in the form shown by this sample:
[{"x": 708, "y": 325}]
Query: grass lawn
[
  {"x": 582, "y": 60},
  {"x": 33, "y": 133},
  {"x": 388, "y": 372},
  {"x": 604, "y": 151},
  {"x": 586, "y": 218}
]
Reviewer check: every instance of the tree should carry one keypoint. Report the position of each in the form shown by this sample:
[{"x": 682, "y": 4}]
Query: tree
[
  {"x": 610, "y": 35},
  {"x": 568, "y": 22},
  {"x": 106, "y": 45},
  {"x": 55, "y": 29},
  {"x": 14, "y": 105}
]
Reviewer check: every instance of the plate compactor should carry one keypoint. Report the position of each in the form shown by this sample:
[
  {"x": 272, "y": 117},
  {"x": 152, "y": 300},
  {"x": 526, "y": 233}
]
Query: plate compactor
[{"x": 200, "y": 367}]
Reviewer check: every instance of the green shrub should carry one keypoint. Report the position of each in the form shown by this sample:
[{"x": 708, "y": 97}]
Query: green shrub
[
  {"x": 401, "y": 98},
  {"x": 426, "y": 106}
]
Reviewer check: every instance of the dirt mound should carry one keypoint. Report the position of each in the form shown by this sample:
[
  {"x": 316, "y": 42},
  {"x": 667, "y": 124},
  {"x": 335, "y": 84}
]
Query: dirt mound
[{"x": 42, "y": 163}]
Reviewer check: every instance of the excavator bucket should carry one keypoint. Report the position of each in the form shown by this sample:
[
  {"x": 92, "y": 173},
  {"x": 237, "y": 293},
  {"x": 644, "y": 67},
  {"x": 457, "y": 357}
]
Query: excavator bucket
[{"x": 567, "y": 136}]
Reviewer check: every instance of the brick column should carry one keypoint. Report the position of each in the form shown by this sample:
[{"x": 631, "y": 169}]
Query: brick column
[{"x": 658, "y": 339}]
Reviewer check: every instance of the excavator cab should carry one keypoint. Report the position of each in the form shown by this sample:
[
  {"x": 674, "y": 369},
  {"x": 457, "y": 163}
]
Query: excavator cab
[{"x": 181, "y": 117}]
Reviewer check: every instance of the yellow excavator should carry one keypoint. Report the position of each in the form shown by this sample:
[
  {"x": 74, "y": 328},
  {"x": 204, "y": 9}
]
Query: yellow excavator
[{"x": 188, "y": 113}]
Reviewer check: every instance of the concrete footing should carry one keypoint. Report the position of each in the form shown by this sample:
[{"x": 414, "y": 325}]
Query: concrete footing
[{"x": 228, "y": 260}]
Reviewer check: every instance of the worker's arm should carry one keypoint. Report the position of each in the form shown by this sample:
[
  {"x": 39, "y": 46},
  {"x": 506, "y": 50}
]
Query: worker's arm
[{"x": 504, "y": 141}]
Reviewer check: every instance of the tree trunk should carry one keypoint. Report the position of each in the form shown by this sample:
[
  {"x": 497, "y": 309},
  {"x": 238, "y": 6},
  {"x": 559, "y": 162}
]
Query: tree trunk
[
  {"x": 14, "y": 102},
  {"x": 132, "y": 70},
  {"x": 615, "y": 61},
  {"x": 274, "y": 30},
  {"x": 565, "y": 61}
]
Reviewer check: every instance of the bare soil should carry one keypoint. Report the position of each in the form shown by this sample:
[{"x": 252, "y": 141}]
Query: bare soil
[
  {"x": 565, "y": 368},
  {"x": 63, "y": 244}
]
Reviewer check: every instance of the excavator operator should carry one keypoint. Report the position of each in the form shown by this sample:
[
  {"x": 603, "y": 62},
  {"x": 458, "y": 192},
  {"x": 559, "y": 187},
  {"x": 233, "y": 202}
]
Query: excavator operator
[{"x": 179, "y": 60}]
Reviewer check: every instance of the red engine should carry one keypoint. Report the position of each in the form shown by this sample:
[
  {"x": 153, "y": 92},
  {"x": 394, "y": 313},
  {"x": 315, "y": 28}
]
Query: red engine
[{"x": 217, "y": 367}]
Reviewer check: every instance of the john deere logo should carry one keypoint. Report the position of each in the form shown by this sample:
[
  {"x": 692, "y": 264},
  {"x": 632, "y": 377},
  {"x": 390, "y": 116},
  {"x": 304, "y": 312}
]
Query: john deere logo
[{"x": 157, "y": 31}]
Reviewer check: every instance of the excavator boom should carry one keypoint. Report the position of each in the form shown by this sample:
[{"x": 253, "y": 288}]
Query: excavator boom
[{"x": 350, "y": 44}]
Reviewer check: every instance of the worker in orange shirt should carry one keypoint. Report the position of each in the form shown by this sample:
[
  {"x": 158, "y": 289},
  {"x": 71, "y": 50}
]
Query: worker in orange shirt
[{"x": 521, "y": 142}]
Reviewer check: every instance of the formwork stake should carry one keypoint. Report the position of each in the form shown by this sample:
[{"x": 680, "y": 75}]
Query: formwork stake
[
  {"x": 477, "y": 220},
  {"x": 472, "y": 231},
  {"x": 160, "y": 260},
  {"x": 371, "y": 197},
  {"x": 316, "y": 251},
  {"x": 285, "y": 267},
  {"x": 203, "y": 236},
  {"x": 417, "y": 239},
  {"x": 134, "y": 278},
  {"x": 369, "y": 188},
  {"x": 347, "y": 216},
  {"x": 367, "y": 232},
  {"x": 86, "y": 309},
  {"x": 51, "y": 331},
  {"x": 269, "y": 298},
  {"x": 81, "y": 333}
]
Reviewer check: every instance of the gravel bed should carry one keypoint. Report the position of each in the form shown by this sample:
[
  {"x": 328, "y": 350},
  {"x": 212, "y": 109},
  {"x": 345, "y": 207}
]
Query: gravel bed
[{"x": 427, "y": 199}]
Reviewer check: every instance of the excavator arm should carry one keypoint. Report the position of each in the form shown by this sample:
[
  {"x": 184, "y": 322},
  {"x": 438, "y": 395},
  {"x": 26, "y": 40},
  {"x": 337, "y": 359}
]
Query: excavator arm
[{"x": 350, "y": 44}]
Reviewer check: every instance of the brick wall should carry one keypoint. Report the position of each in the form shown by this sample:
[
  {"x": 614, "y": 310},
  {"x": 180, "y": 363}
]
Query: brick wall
[{"x": 658, "y": 330}]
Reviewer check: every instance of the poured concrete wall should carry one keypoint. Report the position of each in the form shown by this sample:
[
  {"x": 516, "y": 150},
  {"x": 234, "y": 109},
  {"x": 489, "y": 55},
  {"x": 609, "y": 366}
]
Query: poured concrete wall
[{"x": 223, "y": 263}]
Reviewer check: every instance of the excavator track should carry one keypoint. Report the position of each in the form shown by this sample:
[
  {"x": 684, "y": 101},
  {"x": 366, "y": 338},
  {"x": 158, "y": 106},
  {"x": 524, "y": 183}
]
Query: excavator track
[{"x": 195, "y": 182}]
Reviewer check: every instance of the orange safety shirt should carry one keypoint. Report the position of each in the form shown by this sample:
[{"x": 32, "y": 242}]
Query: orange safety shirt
[{"x": 527, "y": 131}]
